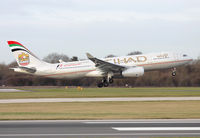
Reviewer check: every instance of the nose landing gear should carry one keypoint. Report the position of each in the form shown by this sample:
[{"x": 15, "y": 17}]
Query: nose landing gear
[{"x": 174, "y": 72}]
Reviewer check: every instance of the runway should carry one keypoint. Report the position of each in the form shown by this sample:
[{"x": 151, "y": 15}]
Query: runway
[
  {"x": 99, "y": 128},
  {"x": 46, "y": 100}
]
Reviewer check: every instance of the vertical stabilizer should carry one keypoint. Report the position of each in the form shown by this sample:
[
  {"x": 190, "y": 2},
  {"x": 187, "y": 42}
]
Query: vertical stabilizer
[{"x": 23, "y": 56}]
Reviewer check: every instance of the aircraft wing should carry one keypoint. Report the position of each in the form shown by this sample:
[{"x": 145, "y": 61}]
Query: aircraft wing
[{"x": 105, "y": 66}]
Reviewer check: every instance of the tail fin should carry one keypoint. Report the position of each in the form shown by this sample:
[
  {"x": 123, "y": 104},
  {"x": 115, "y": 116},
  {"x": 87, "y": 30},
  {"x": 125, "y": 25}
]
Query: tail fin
[{"x": 23, "y": 56}]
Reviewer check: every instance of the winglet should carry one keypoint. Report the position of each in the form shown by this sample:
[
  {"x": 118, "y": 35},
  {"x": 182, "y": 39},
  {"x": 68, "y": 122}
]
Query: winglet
[{"x": 89, "y": 55}]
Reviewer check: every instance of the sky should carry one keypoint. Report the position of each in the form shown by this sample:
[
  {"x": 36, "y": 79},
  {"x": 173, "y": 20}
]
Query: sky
[{"x": 100, "y": 27}]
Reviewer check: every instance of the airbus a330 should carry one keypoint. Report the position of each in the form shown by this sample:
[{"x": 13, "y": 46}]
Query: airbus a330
[{"x": 106, "y": 68}]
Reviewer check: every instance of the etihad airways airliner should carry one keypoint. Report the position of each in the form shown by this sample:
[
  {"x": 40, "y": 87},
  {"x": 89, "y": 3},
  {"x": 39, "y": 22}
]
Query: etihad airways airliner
[{"x": 107, "y": 68}]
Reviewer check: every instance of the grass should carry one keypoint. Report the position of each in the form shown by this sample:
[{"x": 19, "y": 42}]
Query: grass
[
  {"x": 103, "y": 92},
  {"x": 101, "y": 110}
]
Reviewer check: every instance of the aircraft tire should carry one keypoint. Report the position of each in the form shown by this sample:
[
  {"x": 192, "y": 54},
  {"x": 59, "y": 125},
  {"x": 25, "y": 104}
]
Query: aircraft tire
[
  {"x": 105, "y": 84},
  {"x": 173, "y": 73},
  {"x": 100, "y": 85}
]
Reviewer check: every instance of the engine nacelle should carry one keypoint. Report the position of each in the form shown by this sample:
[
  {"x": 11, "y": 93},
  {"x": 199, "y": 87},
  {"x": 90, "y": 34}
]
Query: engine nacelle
[{"x": 133, "y": 72}]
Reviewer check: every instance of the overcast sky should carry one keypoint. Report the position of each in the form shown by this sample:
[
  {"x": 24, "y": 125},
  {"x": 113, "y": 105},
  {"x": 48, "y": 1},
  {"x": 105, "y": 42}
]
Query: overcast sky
[{"x": 101, "y": 27}]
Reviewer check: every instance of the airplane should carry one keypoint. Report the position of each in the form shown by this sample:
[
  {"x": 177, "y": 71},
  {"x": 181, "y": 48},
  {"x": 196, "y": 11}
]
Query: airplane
[{"x": 106, "y": 68}]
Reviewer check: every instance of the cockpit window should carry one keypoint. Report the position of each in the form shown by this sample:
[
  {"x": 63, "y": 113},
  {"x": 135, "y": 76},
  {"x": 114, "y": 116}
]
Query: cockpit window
[{"x": 184, "y": 55}]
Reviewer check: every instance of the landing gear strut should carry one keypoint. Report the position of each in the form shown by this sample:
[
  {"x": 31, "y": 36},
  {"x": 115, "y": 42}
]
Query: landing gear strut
[
  {"x": 174, "y": 72},
  {"x": 111, "y": 80},
  {"x": 105, "y": 82}
]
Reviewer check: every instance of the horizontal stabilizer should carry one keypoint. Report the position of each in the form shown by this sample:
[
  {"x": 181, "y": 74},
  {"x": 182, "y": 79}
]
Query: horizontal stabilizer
[
  {"x": 24, "y": 70},
  {"x": 30, "y": 70}
]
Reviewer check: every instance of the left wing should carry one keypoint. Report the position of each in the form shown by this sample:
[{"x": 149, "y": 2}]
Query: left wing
[{"x": 105, "y": 66}]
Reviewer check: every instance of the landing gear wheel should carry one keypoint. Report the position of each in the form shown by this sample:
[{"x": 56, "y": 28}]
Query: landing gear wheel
[
  {"x": 105, "y": 84},
  {"x": 100, "y": 85},
  {"x": 173, "y": 73}
]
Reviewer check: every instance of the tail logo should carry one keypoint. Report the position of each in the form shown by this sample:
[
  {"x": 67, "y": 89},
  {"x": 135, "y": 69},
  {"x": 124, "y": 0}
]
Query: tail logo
[{"x": 23, "y": 59}]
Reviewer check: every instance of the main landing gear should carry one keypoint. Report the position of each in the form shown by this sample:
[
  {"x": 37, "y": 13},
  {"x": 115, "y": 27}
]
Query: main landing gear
[
  {"x": 105, "y": 82},
  {"x": 174, "y": 72}
]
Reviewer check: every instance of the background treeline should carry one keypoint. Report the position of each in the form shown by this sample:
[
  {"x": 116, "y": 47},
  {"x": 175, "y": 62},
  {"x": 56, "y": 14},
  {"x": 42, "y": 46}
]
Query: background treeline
[{"x": 188, "y": 75}]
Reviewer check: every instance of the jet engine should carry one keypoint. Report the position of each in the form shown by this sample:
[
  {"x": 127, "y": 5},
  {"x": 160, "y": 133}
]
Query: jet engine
[{"x": 133, "y": 72}]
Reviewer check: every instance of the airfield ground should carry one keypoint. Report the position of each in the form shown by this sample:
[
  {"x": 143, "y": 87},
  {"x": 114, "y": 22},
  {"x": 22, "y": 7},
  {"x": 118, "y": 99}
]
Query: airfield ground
[
  {"x": 102, "y": 110},
  {"x": 102, "y": 92}
]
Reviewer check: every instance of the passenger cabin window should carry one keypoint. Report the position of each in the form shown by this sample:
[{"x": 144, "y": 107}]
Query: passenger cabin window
[{"x": 184, "y": 55}]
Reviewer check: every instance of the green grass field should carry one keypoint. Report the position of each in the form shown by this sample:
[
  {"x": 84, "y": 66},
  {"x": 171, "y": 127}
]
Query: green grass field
[
  {"x": 102, "y": 110},
  {"x": 103, "y": 92}
]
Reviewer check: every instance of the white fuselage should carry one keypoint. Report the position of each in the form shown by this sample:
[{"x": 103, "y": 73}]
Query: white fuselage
[{"x": 86, "y": 68}]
